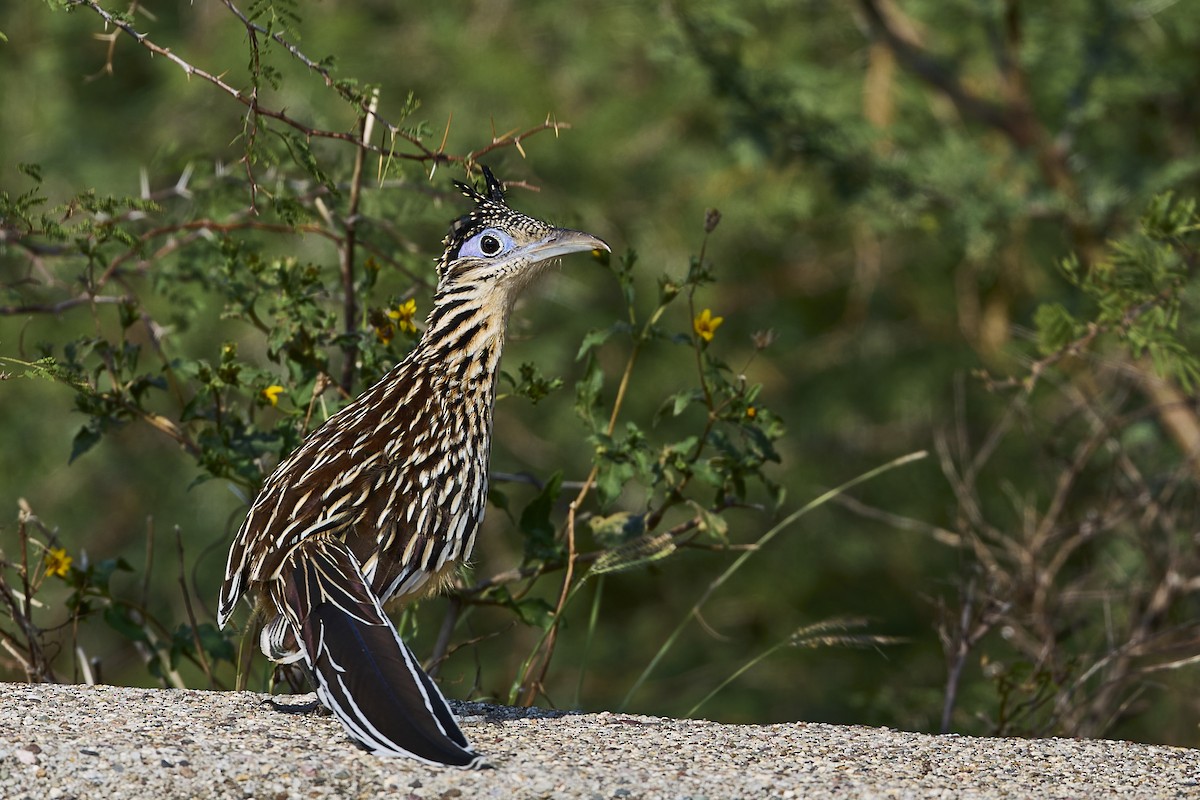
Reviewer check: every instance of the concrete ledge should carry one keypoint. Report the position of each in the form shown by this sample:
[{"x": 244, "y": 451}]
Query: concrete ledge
[{"x": 110, "y": 742}]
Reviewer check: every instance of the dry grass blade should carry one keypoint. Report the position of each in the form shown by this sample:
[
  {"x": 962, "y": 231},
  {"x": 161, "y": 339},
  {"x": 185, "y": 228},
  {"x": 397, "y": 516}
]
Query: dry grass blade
[
  {"x": 832, "y": 632},
  {"x": 744, "y": 557},
  {"x": 642, "y": 550}
]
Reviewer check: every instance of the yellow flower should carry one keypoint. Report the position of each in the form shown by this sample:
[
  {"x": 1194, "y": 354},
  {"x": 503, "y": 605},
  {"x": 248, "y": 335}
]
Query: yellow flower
[
  {"x": 403, "y": 314},
  {"x": 705, "y": 324},
  {"x": 271, "y": 393},
  {"x": 751, "y": 412},
  {"x": 57, "y": 562}
]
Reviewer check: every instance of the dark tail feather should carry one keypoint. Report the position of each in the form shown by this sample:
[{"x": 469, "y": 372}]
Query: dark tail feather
[{"x": 365, "y": 674}]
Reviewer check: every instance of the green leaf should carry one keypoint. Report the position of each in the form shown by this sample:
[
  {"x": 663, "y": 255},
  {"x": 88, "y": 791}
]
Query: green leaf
[
  {"x": 535, "y": 522},
  {"x": 120, "y": 620},
  {"x": 622, "y": 269},
  {"x": 85, "y": 440},
  {"x": 500, "y": 500},
  {"x": 100, "y": 574},
  {"x": 707, "y": 471},
  {"x": 531, "y": 610},
  {"x": 532, "y": 384},
  {"x": 611, "y": 477},
  {"x": 535, "y": 611},
  {"x": 32, "y": 170},
  {"x": 1055, "y": 327},
  {"x": 593, "y": 339},
  {"x": 216, "y": 644},
  {"x": 711, "y": 523},
  {"x": 302, "y": 154},
  {"x": 587, "y": 392},
  {"x": 685, "y": 399}
]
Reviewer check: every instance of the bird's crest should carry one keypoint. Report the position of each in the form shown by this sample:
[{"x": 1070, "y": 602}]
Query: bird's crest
[
  {"x": 495, "y": 189},
  {"x": 491, "y": 211}
]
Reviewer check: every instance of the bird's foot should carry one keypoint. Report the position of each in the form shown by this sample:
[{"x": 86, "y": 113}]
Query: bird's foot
[{"x": 312, "y": 707}]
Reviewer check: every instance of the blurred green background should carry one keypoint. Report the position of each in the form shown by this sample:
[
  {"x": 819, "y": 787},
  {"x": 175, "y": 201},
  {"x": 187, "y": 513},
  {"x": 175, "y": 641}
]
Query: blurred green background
[{"x": 896, "y": 213}]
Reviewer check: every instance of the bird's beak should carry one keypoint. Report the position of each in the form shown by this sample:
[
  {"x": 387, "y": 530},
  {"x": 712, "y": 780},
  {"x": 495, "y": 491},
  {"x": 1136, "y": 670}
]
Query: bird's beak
[{"x": 562, "y": 241}]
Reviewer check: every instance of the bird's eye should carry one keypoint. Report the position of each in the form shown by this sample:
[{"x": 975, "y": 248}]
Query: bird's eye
[{"x": 488, "y": 243}]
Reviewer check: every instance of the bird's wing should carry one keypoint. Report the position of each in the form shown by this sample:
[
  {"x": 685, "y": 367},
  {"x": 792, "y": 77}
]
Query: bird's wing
[{"x": 328, "y": 486}]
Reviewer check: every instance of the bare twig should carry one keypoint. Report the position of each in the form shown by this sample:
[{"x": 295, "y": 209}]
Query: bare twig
[
  {"x": 937, "y": 533},
  {"x": 368, "y": 109},
  {"x": 63, "y": 305},
  {"x": 201, "y": 654},
  {"x": 350, "y": 224},
  {"x": 440, "y": 647},
  {"x": 250, "y": 99}
]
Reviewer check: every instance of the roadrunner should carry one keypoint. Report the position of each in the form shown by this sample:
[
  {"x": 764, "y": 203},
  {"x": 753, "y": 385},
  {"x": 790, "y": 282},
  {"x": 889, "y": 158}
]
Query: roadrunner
[{"x": 382, "y": 502}]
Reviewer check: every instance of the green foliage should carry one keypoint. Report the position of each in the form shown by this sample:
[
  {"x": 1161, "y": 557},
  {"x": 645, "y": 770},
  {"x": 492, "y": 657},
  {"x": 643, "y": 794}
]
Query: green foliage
[
  {"x": 913, "y": 193},
  {"x": 239, "y": 407},
  {"x": 1137, "y": 293},
  {"x": 531, "y": 383},
  {"x": 536, "y": 525},
  {"x": 89, "y": 597}
]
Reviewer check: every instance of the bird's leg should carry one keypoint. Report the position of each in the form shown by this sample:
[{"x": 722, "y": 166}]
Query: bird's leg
[{"x": 295, "y": 675}]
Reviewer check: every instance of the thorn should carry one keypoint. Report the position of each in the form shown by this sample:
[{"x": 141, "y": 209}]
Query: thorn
[
  {"x": 181, "y": 185},
  {"x": 445, "y": 136},
  {"x": 369, "y": 122},
  {"x": 323, "y": 210}
]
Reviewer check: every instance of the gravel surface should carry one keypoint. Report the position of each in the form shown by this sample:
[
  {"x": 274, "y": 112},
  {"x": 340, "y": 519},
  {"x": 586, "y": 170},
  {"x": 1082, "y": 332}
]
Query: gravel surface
[{"x": 111, "y": 742}]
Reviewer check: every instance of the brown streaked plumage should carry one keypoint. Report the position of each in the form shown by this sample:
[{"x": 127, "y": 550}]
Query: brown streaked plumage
[{"x": 383, "y": 500}]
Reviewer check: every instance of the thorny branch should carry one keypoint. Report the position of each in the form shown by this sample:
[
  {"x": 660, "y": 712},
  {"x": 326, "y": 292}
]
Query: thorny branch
[
  {"x": 250, "y": 100},
  {"x": 61, "y": 305},
  {"x": 1079, "y": 346}
]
